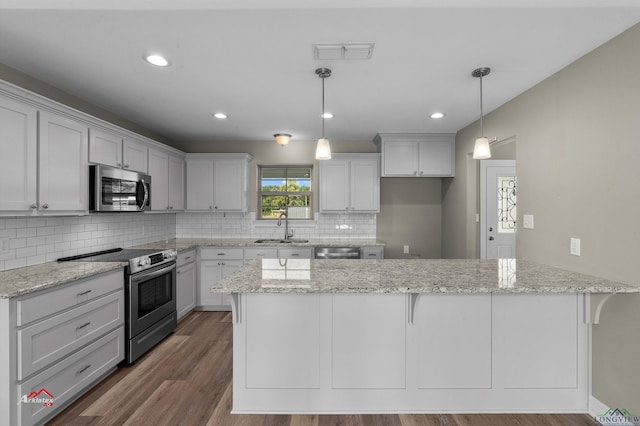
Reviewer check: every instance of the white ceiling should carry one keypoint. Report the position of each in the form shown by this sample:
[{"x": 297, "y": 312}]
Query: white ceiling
[{"x": 253, "y": 59}]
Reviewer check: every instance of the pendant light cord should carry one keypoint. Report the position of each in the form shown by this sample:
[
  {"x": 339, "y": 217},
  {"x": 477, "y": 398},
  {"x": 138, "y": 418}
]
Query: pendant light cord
[
  {"x": 322, "y": 107},
  {"x": 481, "y": 113}
]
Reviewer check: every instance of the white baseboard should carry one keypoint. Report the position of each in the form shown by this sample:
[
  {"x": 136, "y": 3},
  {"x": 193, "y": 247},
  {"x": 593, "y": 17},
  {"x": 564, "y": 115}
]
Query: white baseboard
[{"x": 596, "y": 407}]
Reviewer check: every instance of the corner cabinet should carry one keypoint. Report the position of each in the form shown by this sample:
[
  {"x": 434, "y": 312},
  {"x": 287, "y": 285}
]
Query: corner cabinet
[
  {"x": 350, "y": 183},
  {"x": 218, "y": 182},
  {"x": 43, "y": 161},
  {"x": 167, "y": 181},
  {"x": 417, "y": 154}
]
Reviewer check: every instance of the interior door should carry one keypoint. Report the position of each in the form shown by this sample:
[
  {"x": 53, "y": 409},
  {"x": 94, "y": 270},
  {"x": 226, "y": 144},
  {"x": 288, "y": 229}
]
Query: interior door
[{"x": 497, "y": 209}]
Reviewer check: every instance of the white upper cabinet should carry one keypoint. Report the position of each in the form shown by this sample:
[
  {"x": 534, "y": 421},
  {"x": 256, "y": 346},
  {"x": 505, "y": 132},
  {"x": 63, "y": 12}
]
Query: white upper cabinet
[
  {"x": 218, "y": 182},
  {"x": 167, "y": 181},
  {"x": 63, "y": 167},
  {"x": 417, "y": 154},
  {"x": 113, "y": 150},
  {"x": 350, "y": 183},
  {"x": 18, "y": 156}
]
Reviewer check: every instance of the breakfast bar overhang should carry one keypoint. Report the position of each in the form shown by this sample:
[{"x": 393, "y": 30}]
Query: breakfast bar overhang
[{"x": 414, "y": 336}]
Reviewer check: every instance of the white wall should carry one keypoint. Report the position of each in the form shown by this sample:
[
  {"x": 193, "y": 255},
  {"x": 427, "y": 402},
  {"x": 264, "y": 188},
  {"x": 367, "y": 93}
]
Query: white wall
[{"x": 577, "y": 157}]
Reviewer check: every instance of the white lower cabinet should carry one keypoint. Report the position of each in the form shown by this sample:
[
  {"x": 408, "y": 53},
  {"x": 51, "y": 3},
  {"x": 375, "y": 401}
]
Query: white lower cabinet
[
  {"x": 374, "y": 252},
  {"x": 214, "y": 265},
  {"x": 186, "y": 279},
  {"x": 57, "y": 343},
  {"x": 71, "y": 376}
]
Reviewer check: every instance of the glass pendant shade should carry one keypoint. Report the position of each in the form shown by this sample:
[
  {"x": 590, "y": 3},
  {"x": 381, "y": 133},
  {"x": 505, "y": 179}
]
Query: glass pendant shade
[
  {"x": 481, "y": 150},
  {"x": 323, "y": 149}
]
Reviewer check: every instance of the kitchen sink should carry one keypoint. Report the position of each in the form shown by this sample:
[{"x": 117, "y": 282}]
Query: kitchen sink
[{"x": 279, "y": 241}]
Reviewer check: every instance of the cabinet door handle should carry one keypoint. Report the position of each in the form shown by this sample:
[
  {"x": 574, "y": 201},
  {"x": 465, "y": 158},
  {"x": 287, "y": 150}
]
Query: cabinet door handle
[
  {"x": 83, "y": 369},
  {"x": 126, "y": 166},
  {"x": 421, "y": 172},
  {"x": 84, "y": 292},
  {"x": 86, "y": 324},
  {"x": 415, "y": 173},
  {"x": 295, "y": 254},
  {"x": 45, "y": 206},
  {"x": 33, "y": 206},
  {"x": 187, "y": 258},
  {"x": 119, "y": 164}
]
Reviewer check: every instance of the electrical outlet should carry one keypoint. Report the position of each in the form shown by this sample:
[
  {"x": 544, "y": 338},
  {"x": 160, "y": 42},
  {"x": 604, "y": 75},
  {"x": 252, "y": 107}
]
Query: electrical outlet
[
  {"x": 574, "y": 248},
  {"x": 406, "y": 249}
]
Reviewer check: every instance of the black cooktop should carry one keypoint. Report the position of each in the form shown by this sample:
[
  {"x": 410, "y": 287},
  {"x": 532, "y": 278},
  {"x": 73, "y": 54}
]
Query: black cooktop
[{"x": 111, "y": 255}]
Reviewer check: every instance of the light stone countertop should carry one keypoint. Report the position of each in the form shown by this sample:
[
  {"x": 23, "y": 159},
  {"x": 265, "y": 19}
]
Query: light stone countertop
[
  {"x": 182, "y": 244},
  {"x": 411, "y": 276},
  {"x": 21, "y": 281}
]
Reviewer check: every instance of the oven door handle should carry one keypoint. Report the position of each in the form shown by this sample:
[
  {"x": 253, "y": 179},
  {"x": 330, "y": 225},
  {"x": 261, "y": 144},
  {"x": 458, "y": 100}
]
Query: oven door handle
[{"x": 151, "y": 275}]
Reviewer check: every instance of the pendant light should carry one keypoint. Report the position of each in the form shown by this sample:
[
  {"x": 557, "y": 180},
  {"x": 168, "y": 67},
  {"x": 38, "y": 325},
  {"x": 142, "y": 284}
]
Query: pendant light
[
  {"x": 282, "y": 138},
  {"x": 323, "y": 149},
  {"x": 481, "y": 149}
]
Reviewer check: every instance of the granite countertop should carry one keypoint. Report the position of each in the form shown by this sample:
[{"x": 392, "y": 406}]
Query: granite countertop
[
  {"x": 182, "y": 244},
  {"x": 411, "y": 276},
  {"x": 17, "y": 282}
]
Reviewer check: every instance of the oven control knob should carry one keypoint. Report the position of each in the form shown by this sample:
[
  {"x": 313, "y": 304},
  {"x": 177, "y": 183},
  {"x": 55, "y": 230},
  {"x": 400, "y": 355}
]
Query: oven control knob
[
  {"x": 144, "y": 261},
  {"x": 170, "y": 254}
]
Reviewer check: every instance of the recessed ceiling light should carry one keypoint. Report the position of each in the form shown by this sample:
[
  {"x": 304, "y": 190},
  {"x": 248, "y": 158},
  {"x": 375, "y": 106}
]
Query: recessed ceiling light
[
  {"x": 157, "y": 60},
  {"x": 326, "y": 115},
  {"x": 437, "y": 115},
  {"x": 220, "y": 115}
]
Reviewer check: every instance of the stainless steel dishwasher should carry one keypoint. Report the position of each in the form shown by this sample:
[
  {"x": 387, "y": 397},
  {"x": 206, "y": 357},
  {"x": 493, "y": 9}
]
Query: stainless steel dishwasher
[{"x": 337, "y": 253}]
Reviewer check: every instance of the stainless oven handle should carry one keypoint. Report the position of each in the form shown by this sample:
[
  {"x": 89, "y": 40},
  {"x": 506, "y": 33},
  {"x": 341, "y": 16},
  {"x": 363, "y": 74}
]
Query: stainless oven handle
[
  {"x": 150, "y": 275},
  {"x": 146, "y": 195}
]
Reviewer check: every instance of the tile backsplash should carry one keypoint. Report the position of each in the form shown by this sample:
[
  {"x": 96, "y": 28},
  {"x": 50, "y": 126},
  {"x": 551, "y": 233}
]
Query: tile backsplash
[
  {"x": 245, "y": 225},
  {"x": 26, "y": 241}
]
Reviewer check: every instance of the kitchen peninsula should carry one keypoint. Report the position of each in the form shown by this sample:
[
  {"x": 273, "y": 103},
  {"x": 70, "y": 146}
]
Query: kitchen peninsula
[{"x": 375, "y": 336}]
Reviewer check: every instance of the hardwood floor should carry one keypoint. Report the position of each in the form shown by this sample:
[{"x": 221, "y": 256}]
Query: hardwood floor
[{"x": 186, "y": 380}]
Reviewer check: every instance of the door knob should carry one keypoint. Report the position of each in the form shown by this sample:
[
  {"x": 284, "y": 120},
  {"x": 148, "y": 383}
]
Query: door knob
[
  {"x": 490, "y": 238},
  {"x": 490, "y": 229}
]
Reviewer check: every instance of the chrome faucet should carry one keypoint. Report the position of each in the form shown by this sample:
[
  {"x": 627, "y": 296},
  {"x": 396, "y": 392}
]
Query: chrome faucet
[{"x": 284, "y": 214}]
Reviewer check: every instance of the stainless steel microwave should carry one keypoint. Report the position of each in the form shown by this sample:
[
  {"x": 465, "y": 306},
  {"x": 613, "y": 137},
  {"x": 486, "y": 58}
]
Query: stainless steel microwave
[{"x": 117, "y": 190}]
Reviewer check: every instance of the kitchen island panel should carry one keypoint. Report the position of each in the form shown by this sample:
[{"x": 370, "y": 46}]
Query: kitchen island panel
[
  {"x": 283, "y": 341},
  {"x": 453, "y": 338},
  {"x": 536, "y": 340},
  {"x": 368, "y": 341}
]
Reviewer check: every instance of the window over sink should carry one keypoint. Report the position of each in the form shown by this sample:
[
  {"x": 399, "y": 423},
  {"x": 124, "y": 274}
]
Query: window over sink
[{"x": 285, "y": 189}]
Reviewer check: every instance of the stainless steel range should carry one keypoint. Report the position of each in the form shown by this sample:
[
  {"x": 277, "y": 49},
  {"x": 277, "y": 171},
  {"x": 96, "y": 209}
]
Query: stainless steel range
[{"x": 150, "y": 295}]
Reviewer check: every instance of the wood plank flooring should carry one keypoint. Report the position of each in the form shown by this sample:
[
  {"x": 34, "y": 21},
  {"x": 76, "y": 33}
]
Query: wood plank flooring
[{"x": 186, "y": 380}]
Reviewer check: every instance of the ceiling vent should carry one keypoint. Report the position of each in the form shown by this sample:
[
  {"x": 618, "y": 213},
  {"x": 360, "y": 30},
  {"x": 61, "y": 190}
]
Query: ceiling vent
[{"x": 339, "y": 51}]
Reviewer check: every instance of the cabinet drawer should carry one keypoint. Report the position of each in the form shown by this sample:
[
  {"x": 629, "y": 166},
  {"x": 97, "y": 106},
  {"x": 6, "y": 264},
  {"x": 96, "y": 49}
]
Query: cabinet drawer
[
  {"x": 220, "y": 253},
  {"x": 70, "y": 376},
  {"x": 186, "y": 257},
  {"x": 295, "y": 253},
  {"x": 59, "y": 299},
  {"x": 45, "y": 342},
  {"x": 372, "y": 252},
  {"x": 260, "y": 253}
]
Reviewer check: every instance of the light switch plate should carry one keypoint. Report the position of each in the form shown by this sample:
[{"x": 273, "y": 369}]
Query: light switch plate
[
  {"x": 527, "y": 221},
  {"x": 574, "y": 248}
]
